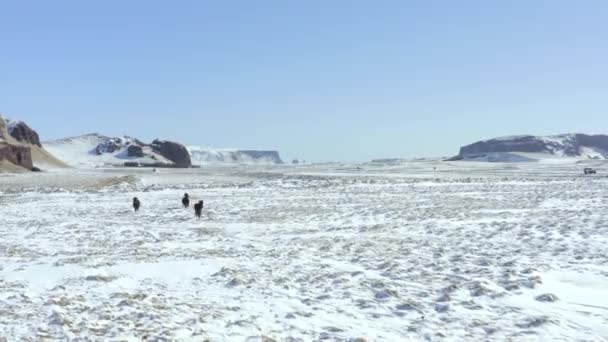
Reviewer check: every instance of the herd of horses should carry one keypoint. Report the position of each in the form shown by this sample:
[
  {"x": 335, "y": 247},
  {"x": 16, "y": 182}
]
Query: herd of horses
[{"x": 198, "y": 207}]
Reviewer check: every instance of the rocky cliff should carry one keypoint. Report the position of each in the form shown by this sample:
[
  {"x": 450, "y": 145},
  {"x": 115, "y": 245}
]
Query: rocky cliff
[
  {"x": 17, "y": 155},
  {"x": 20, "y": 148}
]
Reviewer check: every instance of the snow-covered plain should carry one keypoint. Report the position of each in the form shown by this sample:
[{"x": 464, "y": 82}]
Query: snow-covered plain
[{"x": 469, "y": 251}]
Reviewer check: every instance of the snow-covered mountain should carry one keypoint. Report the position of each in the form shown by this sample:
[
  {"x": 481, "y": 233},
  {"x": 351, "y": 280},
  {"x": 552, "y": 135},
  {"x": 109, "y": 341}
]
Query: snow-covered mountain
[
  {"x": 203, "y": 156},
  {"x": 531, "y": 148},
  {"x": 93, "y": 150}
]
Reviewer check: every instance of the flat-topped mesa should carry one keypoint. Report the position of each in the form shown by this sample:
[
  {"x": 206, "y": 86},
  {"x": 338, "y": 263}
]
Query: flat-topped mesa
[
  {"x": 563, "y": 145},
  {"x": 203, "y": 156}
]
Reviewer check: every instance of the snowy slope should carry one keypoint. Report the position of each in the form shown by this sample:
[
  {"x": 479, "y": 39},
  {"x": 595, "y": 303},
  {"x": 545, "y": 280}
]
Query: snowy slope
[
  {"x": 593, "y": 152},
  {"x": 81, "y": 151},
  {"x": 203, "y": 156}
]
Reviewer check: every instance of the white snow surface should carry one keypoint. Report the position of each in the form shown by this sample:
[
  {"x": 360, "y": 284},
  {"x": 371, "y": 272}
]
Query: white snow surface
[{"x": 467, "y": 251}]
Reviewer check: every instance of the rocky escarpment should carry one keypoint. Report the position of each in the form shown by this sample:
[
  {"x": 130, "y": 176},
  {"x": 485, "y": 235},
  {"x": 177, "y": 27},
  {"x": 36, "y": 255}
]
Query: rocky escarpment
[
  {"x": 566, "y": 145},
  {"x": 20, "y": 148},
  {"x": 18, "y": 155}
]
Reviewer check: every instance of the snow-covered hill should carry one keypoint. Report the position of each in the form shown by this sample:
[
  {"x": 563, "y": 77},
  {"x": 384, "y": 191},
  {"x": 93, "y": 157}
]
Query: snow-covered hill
[
  {"x": 92, "y": 150},
  {"x": 202, "y": 156},
  {"x": 523, "y": 148}
]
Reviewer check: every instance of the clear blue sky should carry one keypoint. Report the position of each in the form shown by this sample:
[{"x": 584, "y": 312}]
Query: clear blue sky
[{"x": 317, "y": 79}]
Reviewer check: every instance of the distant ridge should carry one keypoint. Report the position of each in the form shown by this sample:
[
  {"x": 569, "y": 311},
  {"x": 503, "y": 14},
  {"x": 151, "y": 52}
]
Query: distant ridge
[
  {"x": 202, "y": 156},
  {"x": 532, "y": 147},
  {"x": 95, "y": 150}
]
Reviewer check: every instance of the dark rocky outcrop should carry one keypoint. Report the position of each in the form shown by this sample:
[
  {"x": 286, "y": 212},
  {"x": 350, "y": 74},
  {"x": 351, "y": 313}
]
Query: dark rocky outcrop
[
  {"x": 23, "y": 133},
  {"x": 109, "y": 146},
  {"x": 135, "y": 151},
  {"x": 173, "y": 151}
]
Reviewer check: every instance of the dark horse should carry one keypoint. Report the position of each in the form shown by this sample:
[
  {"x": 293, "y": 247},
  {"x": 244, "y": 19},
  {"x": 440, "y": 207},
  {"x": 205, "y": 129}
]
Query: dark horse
[
  {"x": 136, "y": 203},
  {"x": 198, "y": 209}
]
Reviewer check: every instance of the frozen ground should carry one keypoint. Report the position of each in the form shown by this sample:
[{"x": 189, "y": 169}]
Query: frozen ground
[{"x": 470, "y": 251}]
